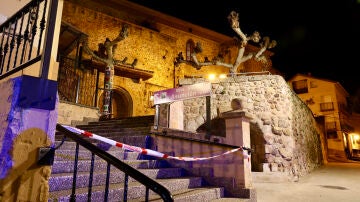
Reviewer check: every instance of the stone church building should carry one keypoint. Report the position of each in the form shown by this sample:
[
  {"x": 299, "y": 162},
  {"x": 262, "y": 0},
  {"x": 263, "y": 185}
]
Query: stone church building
[
  {"x": 282, "y": 129},
  {"x": 154, "y": 42}
]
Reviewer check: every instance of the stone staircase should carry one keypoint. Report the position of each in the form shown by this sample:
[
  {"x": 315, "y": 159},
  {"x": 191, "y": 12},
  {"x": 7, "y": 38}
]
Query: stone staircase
[{"x": 132, "y": 131}]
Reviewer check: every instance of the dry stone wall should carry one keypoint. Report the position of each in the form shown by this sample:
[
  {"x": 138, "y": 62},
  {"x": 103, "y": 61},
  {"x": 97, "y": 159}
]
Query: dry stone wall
[{"x": 291, "y": 137}]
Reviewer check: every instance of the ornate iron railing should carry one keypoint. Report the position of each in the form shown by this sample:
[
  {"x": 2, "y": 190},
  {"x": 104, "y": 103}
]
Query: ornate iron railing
[{"x": 22, "y": 38}]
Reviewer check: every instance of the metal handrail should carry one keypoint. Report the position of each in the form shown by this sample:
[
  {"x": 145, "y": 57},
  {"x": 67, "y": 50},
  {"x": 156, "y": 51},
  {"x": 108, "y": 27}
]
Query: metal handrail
[{"x": 129, "y": 171}]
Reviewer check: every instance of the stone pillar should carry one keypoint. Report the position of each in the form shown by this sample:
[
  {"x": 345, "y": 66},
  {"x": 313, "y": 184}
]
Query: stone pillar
[
  {"x": 176, "y": 115},
  {"x": 238, "y": 134},
  {"x": 28, "y": 116}
]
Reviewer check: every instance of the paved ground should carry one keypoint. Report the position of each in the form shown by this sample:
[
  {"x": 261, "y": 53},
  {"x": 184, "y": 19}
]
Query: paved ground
[{"x": 338, "y": 182}]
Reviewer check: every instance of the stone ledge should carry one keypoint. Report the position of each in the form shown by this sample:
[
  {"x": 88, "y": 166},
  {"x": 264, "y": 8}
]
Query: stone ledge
[{"x": 270, "y": 177}]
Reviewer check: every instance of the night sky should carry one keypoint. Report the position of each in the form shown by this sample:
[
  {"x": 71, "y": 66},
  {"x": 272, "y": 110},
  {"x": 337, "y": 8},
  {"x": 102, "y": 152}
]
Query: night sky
[{"x": 318, "y": 37}]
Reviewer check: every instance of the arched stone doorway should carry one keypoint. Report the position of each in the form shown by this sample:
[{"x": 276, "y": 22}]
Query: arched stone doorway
[{"x": 121, "y": 103}]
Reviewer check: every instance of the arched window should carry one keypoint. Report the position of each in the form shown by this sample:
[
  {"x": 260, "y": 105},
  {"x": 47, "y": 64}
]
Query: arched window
[{"x": 189, "y": 49}]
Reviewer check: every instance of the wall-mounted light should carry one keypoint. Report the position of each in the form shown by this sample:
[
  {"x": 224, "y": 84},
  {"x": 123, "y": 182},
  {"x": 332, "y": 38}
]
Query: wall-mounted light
[
  {"x": 150, "y": 99},
  {"x": 211, "y": 76},
  {"x": 222, "y": 76}
]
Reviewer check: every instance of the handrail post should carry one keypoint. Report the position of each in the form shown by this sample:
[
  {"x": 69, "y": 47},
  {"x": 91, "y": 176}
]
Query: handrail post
[{"x": 47, "y": 52}]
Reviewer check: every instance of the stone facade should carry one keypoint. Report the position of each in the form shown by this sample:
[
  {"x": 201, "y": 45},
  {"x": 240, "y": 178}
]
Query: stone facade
[
  {"x": 285, "y": 136},
  {"x": 148, "y": 46},
  {"x": 280, "y": 119},
  {"x": 155, "y": 48},
  {"x": 73, "y": 114}
]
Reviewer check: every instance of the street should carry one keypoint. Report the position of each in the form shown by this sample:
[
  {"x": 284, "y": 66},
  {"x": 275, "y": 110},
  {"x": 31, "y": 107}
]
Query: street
[{"x": 338, "y": 182}]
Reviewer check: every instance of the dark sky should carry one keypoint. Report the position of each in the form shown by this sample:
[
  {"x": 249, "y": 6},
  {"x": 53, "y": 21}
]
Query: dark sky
[{"x": 317, "y": 36}]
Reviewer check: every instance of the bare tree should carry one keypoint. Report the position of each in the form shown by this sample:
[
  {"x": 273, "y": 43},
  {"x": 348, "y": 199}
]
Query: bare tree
[{"x": 233, "y": 18}]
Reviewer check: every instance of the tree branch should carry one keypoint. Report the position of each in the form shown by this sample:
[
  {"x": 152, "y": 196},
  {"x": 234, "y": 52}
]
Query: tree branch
[
  {"x": 110, "y": 47},
  {"x": 90, "y": 52},
  {"x": 233, "y": 19}
]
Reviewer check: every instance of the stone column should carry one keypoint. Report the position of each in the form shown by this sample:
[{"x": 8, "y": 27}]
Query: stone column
[{"x": 238, "y": 134}]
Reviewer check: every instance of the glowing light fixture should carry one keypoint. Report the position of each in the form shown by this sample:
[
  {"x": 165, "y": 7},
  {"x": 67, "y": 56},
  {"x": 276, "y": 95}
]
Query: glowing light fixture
[
  {"x": 356, "y": 136},
  {"x": 212, "y": 76}
]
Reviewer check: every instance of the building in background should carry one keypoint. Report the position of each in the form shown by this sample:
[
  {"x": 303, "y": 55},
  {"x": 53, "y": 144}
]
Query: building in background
[{"x": 328, "y": 101}]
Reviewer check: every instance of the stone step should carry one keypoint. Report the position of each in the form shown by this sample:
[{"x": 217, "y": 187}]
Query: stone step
[
  {"x": 232, "y": 200},
  {"x": 111, "y": 133},
  {"x": 114, "y": 128},
  {"x": 140, "y": 134},
  {"x": 271, "y": 177},
  {"x": 63, "y": 155},
  {"x": 138, "y": 141},
  {"x": 67, "y": 166},
  {"x": 116, "y": 125},
  {"x": 63, "y": 181},
  {"x": 183, "y": 189},
  {"x": 135, "y": 138},
  {"x": 191, "y": 194},
  {"x": 124, "y": 121},
  {"x": 68, "y": 144},
  {"x": 85, "y": 121}
]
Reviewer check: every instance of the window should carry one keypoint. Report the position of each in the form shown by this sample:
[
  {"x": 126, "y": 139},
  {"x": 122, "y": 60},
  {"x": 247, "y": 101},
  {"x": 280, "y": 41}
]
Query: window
[
  {"x": 326, "y": 103},
  {"x": 326, "y": 106},
  {"x": 331, "y": 134},
  {"x": 300, "y": 86},
  {"x": 331, "y": 130},
  {"x": 331, "y": 125},
  {"x": 189, "y": 49}
]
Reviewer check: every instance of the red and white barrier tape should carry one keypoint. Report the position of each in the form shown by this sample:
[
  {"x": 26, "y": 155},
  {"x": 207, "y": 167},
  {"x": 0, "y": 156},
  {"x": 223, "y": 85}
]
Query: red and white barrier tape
[{"x": 147, "y": 151}]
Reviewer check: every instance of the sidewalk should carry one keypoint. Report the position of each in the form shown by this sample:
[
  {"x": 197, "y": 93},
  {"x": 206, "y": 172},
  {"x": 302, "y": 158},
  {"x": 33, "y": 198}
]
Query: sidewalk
[{"x": 338, "y": 182}]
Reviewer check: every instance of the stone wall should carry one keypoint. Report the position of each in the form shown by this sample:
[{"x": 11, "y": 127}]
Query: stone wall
[
  {"x": 73, "y": 114},
  {"x": 155, "y": 50},
  {"x": 291, "y": 139}
]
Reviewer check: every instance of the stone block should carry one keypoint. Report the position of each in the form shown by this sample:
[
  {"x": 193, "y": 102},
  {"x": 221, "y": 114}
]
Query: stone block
[{"x": 266, "y": 167}]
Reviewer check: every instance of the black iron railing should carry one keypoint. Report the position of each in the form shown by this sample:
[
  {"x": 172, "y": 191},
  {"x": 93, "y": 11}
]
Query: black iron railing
[
  {"x": 129, "y": 171},
  {"x": 22, "y": 38},
  {"x": 76, "y": 84}
]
